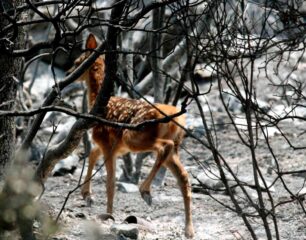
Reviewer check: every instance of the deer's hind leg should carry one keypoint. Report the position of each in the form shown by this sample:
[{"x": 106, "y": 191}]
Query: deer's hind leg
[
  {"x": 164, "y": 149},
  {"x": 144, "y": 142},
  {"x": 110, "y": 165},
  {"x": 178, "y": 170},
  {"x": 86, "y": 189},
  {"x": 109, "y": 153}
]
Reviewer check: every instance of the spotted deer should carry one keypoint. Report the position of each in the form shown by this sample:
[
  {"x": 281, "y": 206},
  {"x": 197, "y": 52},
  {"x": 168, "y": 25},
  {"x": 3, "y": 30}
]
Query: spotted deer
[{"x": 162, "y": 138}]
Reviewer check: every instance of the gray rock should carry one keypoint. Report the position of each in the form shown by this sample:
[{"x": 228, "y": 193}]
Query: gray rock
[
  {"x": 210, "y": 179},
  {"x": 282, "y": 111},
  {"x": 249, "y": 180},
  {"x": 257, "y": 12},
  {"x": 127, "y": 187},
  {"x": 232, "y": 103},
  {"x": 65, "y": 166},
  {"x": 205, "y": 71},
  {"x": 125, "y": 230},
  {"x": 141, "y": 223},
  {"x": 80, "y": 215},
  {"x": 43, "y": 81}
]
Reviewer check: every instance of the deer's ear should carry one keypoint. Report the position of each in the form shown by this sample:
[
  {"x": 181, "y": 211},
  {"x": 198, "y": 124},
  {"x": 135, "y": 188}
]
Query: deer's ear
[{"x": 91, "y": 42}]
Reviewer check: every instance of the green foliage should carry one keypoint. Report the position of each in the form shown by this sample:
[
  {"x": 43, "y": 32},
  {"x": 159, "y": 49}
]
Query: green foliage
[{"x": 18, "y": 207}]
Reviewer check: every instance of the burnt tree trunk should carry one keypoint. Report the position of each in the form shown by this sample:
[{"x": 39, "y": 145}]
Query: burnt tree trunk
[
  {"x": 158, "y": 78},
  {"x": 66, "y": 147},
  {"x": 10, "y": 67}
]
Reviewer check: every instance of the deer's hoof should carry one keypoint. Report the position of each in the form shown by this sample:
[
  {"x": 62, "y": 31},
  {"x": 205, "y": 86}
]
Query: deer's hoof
[
  {"x": 189, "y": 232},
  {"x": 89, "y": 201},
  {"x": 146, "y": 196}
]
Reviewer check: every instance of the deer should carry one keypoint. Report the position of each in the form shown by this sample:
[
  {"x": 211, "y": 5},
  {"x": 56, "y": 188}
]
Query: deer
[{"x": 163, "y": 139}]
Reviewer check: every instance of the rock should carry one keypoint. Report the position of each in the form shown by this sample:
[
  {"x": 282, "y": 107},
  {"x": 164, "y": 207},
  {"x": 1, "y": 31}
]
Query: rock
[
  {"x": 269, "y": 132},
  {"x": 42, "y": 32},
  {"x": 107, "y": 237},
  {"x": 127, "y": 187},
  {"x": 125, "y": 230},
  {"x": 122, "y": 237},
  {"x": 37, "y": 152},
  {"x": 264, "y": 106},
  {"x": 66, "y": 166},
  {"x": 210, "y": 179},
  {"x": 43, "y": 81},
  {"x": 241, "y": 123},
  {"x": 235, "y": 106},
  {"x": 279, "y": 111},
  {"x": 106, "y": 216},
  {"x": 232, "y": 103},
  {"x": 80, "y": 215},
  {"x": 205, "y": 71},
  {"x": 249, "y": 180},
  {"x": 142, "y": 223},
  {"x": 273, "y": 15},
  {"x": 166, "y": 198}
]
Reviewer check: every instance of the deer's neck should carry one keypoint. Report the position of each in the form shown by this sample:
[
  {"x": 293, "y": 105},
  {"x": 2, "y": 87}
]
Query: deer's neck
[{"x": 94, "y": 80}]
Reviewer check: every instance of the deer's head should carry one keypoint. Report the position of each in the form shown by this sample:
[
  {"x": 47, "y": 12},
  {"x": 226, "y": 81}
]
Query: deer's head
[{"x": 95, "y": 73}]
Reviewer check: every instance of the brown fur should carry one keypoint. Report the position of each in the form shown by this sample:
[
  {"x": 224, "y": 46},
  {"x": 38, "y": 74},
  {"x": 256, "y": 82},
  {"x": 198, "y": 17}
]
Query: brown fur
[{"x": 163, "y": 138}]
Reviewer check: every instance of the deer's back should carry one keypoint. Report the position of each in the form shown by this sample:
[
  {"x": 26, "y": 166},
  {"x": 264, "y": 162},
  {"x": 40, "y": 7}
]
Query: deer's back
[{"x": 133, "y": 111}]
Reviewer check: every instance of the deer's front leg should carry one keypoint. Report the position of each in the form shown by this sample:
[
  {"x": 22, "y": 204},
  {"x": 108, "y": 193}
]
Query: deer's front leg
[
  {"x": 86, "y": 189},
  {"x": 110, "y": 165},
  {"x": 181, "y": 175},
  {"x": 164, "y": 149}
]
